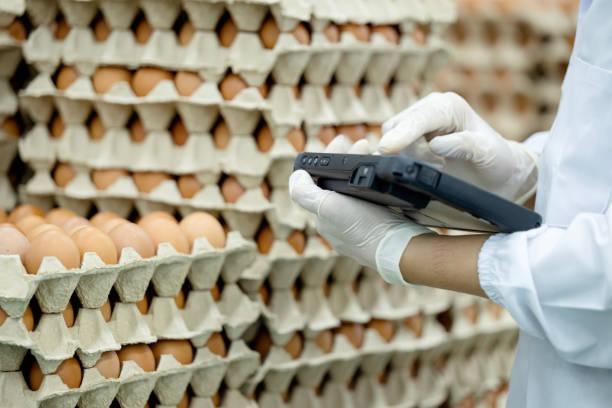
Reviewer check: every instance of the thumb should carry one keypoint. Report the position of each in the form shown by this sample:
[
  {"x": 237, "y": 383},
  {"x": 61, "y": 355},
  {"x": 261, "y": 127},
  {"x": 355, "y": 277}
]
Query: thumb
[
  {"x": 460, "y": 146},
  {"x": 305, "y": 192}
]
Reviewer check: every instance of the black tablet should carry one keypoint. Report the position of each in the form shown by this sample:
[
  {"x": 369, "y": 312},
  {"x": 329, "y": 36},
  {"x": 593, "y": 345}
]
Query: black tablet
[{"x": 419, "y": 191}]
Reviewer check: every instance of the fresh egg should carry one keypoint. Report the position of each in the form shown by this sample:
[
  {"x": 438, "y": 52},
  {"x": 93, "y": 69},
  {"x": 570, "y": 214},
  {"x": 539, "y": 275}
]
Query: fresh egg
[
  {"x": 385, "y": 328},
  {"x": 162, "y": 229},
  {"x": 13, "y": 241},
  {"x": 68, "y": 314},
  {"x": 189, "y": 185},
  {"x": 147, "y": 181},
  {"x": 353, "y": 132},
  {"x": 141, "y": 354},
  {"x": 56, "y": 127},
  {"x": 143, "y": 31},
  {"x": 227, "y": 33},
  {"x": 184, "y": 402},
  {"x": 263, "y": 343},
  {"x": 187, "y": 82},
  {"x": 265, "y": 189},
  {"x": 96, "y": 128},
  {"x": 104, "y": 78},
  {"x": 216, "y": 400},
  {"x": 69, "y": 371},
  {"x": 332, "y": 33},
  {"x": 60, "y": 28},
  {"x": 74, "y": 223},
  {"x": 105, "y": 178},
  {"x": 301, "y": 34},
  {"x": 265, "y": 240},
  {"x": 353, "y": 332},
  {"x": 143, "y": 305},
  {"x": 186, "y": 33},
  {"x": 28, "y": 319},
  {"x": 325, "y": 341},
  {"x": 216, "y": 344},
  {"x": 231, "y": 189},
  {"x": 179, "y": 299},
  {"x": 361, "y": 32},
  {"x": 264, "y": 294},
  {"x": 200, "y": 224},
  {"x": 23, "y": 211},
  {"x": 221, "y": 135},
  {"x": 264, "y": 139},
  {"x": 215, "y": 293},
  {"x": 146, "y": 79},
  {"x": 231, "y": 86},
  {"x": 419, "y": 35},
  {"x": 63, "y": 174},
  {"x": 471, "y": 313},
  {"x": 17, "y": 30},
  {"x": 415, "y": 324},
  {"x": 109, "y": 364},
  {"x": 59, "y": 216},
  {"x": 294, "y": 346},
  {"x": 180, "y": 349},
  {"x": 326, "y": 134},
  {"x": 2, "y": 216},
  {"x": 269, "y": 32},
  {"x": 35, "y": 232},
  {"x": 106, "y": 311},
  {"x": 91, "y": 239},
  {"x": 101, "y": 30},
  {"x": 297, "y": 240},
  {"x": 376, "y": 130},
  {"x": 101, "y": 218},
  {"x": 10, "y": 128},
  {"x": 264, "y": 90},
  {"x": 389, "y": 33},
  {"x": 137, "y": 131},
  {"x": 357, "y": 89},
  {"x": 51, "y": 243},
  {"x": 297, "y": 139},
  {"x": 128, "y": 234},
  {"x": 65, "y": 77},
  {"x": 179, "y": 133}
]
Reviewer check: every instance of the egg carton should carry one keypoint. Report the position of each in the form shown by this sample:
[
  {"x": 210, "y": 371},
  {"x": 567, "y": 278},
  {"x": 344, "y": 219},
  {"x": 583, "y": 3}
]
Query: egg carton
[
  {"x": 7, "y": 153},
  {"x": 401, "y": 389},
  {"x": 8, "y": 99},
  {"x": 388, "y": 302},
  {"x": 9, "y": 10}
]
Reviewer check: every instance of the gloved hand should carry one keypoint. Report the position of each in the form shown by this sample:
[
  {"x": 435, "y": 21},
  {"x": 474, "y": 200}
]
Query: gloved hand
[
  {"x": 371, "y": 234},
  {"x": 463, "y": 144}
]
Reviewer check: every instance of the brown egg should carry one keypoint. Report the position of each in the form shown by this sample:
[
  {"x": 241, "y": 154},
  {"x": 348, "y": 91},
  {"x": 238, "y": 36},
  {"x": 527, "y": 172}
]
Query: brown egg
[
  {"x": 216, "y": 344},
  {"x": 17, "y": 30},
  {"x": 23, "y": 211},
  {"x": 361, "y": 32},
  {"x": 162, "y": 230},
  {"x": 375, "y": 130},
  {"x": 60, "y": 28},
  {"x": 101, "y": 30},
  {"x": 65, "y": 77},
  {"x": 201, "y": 224},
  {"x": 264, "y": 139},
  {"x": 28, "y": 319},
  {"x": 179, "y": 299},
  {"x": 264, "y": 294},
  {"x": 352, "y": 331},
  {"x": 179, "y": 133},
  {"x": 353, "y": 132},
  {"x": 12, "y": 241},
  {"x": 104, "y": 78},
  {"x": 147, "y": 181},
  {"x": 146, "y": 79},
  {"x": 415, "y": 324},
  {"x": 390, "y": 33},
  {"x": 221, "y": 135},
  {"x": 137, "y": 131},
  {"x": 216, "y": 400},
  {"x": 269, "y": 32},
  {"x": 215, "y": 293},
  {"x": 3, "y": 216},
  {"x": 10, "y": 127},
  {"x": 57, "y": 127},
  {"x": 187, "y": 82},
  {"x": 51, "y": 243},
  {"x": 69, "y": 315},
  {"x": 141, "y": 354},
  {"x": 105, "y": 178},
  {"x": 326, "y": 134},
  {"x": 69, "y": 371},
  {"x": 264, "y": 90},
  {"x": 227, "y": 33},
  {"x": 74, "y": 223},
  {"x": 128, "y": 234},
  {"x": 189, "y": 185},
  {"x": 263, "y": 343},
  {"x": 231, "y": 86},
  {"x": 180, "y": 349},
  {"x": 294, "y": 346},
  {"x": 109, "y": 365},
  {"x": 265, "y": 239},
  {"x": 143, "y": 31},
  {"x": 325, "y": 341},
  {"x": 159, "y": 214},
  {"x": 419, "y": 35},
  {"x": 96, "y": 128},
  {"x": 101, "y": 218},
  {"x": 186, "y": 33},
  {"x": 63, "y": 174},
  {"x": 332, "y": 33},
  {"x": 297, "y": 240},
  {"x": 36, "y": 231},
  {"x": 91, "y": 239},
  {"x": 385, "y": 328},
  {"x": 59, "y": 216},
  {"x": 143, "y": 305},
  {"x": 297, "y": 139},
  {"x": 301, "y": 34},
  {"x": 184, "y": 402},
  {"x": 106, "y": 311},
  {"x": 231, "y": 189},
  {"x": 265, "y": 190}
]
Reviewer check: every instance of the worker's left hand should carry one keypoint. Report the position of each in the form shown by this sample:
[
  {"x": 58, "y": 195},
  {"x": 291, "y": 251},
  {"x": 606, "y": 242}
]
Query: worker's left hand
[{"x": 371, "y": 234}]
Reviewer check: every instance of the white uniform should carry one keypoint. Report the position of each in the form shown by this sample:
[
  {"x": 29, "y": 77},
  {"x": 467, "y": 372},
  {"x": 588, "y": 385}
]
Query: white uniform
[{"x": 556, "y": 281}]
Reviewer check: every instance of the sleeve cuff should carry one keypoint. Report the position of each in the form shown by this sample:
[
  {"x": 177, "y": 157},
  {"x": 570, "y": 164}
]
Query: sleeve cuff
[{"x": 488, "y": 270}]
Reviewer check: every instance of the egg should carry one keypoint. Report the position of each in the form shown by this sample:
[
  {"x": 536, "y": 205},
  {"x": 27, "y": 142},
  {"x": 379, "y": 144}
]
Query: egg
[
  {"x": 332, "y": 33},
  {"x": 264, "y": 139},
  {"x": 96, "y": 128},
  {"x": 143, "y": 305},
  {"x": 297, "y": 240},
  {"x": 227, "y": 32},
  {"x": 265, "y": 189},
  {"x": 325, "y": 341},
  {"x": 179, "y": 133},
  {"x": 353, "y": 132},
  {"x": 201, "y": 224},
  {"x": 264, "y": 90},
  {"x": 63, "y": 174},
  {"x": 109, "y": 224},
  {"x": 265, "y": 240},
  {"x": 105, "y": 178},
  {"x": 91, "y": 239},
  {"x": 231, "y": 189},
  {"x": 69, "y": 371},
  {"x": 221, "y": 135},
  {"x": 56, "y": 128},
  {"x": 13, "y": 241},
  {"x": 137, "y": 131},
  {"x": 109, "y": 364},
  {"x": 147, "y": 181},
  {"x": 415, "y": 324},
  {"x": 74, "y": 223},
  {"x": 143, "y": 31},
  {"x": 301, "y": 34},
  {"x": 353, "y": 332},
  {"x": 104, "y": 78},
  {"x": 326, "y": 134},
  {"x": 263, "y": 344},
  {"x": 361, "y": 32},
  {"x": 179, "y": 299},
  {"x": 66, "y": 77},
  {"x": 216, "y": 400},
  {"x": 471, "y": 314},
  {"x": 389, "y": 33},
  {"x": 51, "y": 243},
  {"x": 269, "y": 32},
  {"x": 216, "y": 344},
  {"x": 231, "y": 86},
  {"x": 2, "y": 216},
  {"x": 294, "y": 346},
  {"x": 375, "y": 130},
  {"x": 60, "y": 28},
  {"x": 215, "y": 293},
  {"x": 141, "y": 354},
  {"x": 28, "y": 319},
  {"x": 101, "y": 30},
  {"x": 189, "y": 185},
  {"x": 297, "y": 139},
  {"x": 385, "y": 328},
  {"x": 147, "y": 78},
  {"x": 17, "y": 30},
  {"x": 186, "y": 33},
  {"x": 128, "y": 234},
  {"x": 102, "y": 217},
  {"x": 357, "y": 89},
  {"x": 35, "y": 232},
  {"x": 59, "y": 216},
  {"x": 10, "y": 128},
  {"x": 180, "y": 349},
  {"x": 106, "y": 311},
  {"x": 184, "y": 402},
  {"x": 419, "y": 35},
  {"x": 264, "y": 294},
  {"x": 187, "y": 82},
  {"x": 162, "y": 230},
  {"x": 68, "y": 314},
  {"x": 23, "y": 211}
]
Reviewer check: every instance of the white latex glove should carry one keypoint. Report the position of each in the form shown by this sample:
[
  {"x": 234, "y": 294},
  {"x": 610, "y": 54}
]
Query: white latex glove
[
  {"x": 463, "y": 144},
  {"x": 371, "y": 234}
]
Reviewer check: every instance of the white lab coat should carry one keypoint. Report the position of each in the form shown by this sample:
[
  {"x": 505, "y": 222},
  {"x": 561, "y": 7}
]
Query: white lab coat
[{"x": 556, "y": 281}]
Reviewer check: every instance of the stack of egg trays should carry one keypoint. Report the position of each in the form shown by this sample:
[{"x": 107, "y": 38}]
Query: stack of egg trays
[
  {"x": 10, "y": 55},
  {"x": 52, "y": 342}
]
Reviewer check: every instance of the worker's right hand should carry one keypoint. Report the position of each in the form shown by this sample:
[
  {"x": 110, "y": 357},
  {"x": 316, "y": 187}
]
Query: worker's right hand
[{"x": 443, "y": 129}]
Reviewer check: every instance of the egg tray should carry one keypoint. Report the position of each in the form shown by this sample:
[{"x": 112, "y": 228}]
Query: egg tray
[
  {"x": 134, "y": 386},
  {"x": 10, "y": 9}
]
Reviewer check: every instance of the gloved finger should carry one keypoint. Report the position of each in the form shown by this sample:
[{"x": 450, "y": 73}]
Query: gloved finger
[
  {"x": 340, "y": 144},
  {"x": 460, "y": 145},
  {"x": 305, "y": 192},
  {"x": 360, "y": 147}
]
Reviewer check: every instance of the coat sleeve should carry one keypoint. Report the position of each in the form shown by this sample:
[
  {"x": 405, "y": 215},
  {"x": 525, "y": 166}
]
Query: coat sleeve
[{"x": 557, "y": 284}]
